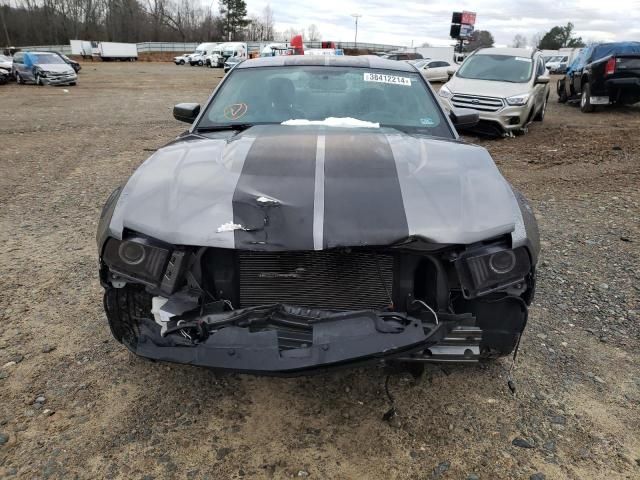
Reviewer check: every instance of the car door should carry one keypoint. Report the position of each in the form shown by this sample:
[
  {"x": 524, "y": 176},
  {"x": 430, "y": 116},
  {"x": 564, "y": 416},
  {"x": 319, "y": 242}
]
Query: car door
[
  {"x": 440, "y": 72},
  {"x": 430, "y": 70},
  {"x": 539, "y": 89},
  {"x": 18, "y": 64}
]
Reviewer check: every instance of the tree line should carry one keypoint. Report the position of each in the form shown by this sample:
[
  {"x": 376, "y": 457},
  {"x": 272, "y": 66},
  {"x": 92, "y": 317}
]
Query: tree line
[{"x": 55, "y": 22}]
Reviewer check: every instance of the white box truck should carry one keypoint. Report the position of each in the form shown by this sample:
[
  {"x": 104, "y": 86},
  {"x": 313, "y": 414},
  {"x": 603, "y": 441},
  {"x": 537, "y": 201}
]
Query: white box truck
[
  {"x": 116, "y": 51},
  {"x": 81, "y": 47}
]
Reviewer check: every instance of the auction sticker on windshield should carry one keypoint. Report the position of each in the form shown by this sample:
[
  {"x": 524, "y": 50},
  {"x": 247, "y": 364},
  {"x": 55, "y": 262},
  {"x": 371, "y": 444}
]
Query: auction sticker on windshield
[{"x": 390, "y": 79}]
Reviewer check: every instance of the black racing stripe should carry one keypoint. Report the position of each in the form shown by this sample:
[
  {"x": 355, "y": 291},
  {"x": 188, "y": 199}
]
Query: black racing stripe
[
  {"x": 362, "y": 197},
  {"x": 281, "y": 166}
]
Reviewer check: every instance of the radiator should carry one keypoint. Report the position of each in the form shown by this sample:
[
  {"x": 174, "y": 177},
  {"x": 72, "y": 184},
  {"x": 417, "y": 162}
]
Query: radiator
[{"x": 318, "y": 279}]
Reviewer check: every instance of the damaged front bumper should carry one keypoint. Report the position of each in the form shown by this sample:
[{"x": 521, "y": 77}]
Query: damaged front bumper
[{"x": 282, "y": 339}]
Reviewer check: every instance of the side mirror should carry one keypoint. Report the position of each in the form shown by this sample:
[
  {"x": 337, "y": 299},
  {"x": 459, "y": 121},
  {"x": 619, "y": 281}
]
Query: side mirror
[
  {"x": 464, "y": 117},
  {"x": 542, "y": 79},
  {"x": 186, "y": 112},
  {"x": 451, "y": 71}
]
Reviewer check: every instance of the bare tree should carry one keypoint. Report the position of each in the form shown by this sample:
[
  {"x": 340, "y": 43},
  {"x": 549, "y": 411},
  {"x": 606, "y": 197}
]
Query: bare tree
[
  {"x": 313, "y": 34},
  {"x": 267, "y": 22},
  {"x": 536, "y": 38},
  {"x": 519, "y": 41}
]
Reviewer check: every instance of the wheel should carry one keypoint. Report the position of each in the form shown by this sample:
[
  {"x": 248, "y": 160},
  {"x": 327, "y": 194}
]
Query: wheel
[
  {"x": 585, "y": 99},
  {"x": 38, "y": 80},
  {"x": 181, "y": 62},
  {"x": 124, "y": 306},
  {"x": 19, "y": 80},
  {"x": 540, "y": 115},
  {"x": 562, "y": 94},
  {"x": 200, "y": 63},
  {"x": 72, "y": 84}
]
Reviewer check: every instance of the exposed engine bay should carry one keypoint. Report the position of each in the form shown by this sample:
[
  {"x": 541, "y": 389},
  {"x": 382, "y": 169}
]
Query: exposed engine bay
[{"x": 297, "y": 311}]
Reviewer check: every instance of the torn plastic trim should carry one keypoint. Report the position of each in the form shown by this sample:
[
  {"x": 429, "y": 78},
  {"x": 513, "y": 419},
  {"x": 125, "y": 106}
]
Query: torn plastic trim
[{"x": 286, "y": 340}]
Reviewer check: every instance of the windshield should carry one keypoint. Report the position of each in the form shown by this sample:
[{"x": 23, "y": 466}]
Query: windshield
[
  {"x": 275, "y": 95},
  {"x": 500, "y": 68},
  {"x": 46, "y": 58}
]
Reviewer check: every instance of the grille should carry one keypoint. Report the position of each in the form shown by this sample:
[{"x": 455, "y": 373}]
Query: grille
[
  {"x": 483, "y": 104},
  {"x": 323, "y": 279}
]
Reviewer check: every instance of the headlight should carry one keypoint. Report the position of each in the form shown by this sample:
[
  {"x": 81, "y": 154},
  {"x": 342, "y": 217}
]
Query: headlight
[
  {"x": 492, "y": 269},
  {"x": 137, "y": 258},
  {"x": 518, "y": 99},
  {"x": 445, "y": 92}
]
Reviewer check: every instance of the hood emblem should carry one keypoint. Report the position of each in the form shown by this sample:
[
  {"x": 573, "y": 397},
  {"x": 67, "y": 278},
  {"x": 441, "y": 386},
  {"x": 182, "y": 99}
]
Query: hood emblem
[{"x": 475, "y": 101}]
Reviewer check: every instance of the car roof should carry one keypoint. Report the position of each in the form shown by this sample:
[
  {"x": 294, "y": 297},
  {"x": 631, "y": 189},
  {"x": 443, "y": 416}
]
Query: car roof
[
  {"x": 512, "y": 52},
  {"x": 362, "y": 61}
]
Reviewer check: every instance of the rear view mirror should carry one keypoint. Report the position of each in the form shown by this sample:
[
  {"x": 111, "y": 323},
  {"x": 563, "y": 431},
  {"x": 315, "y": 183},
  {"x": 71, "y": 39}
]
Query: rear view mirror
[
  {"x": 186, "y": 112},
  {"x": 464, "y": 117}
]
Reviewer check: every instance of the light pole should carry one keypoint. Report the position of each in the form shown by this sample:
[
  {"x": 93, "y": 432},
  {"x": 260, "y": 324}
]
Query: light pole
[{"x": 356, "y": 16}]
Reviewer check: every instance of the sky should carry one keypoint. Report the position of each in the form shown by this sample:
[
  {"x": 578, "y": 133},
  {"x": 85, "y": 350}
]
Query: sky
[{"x": 416, "y": 22}]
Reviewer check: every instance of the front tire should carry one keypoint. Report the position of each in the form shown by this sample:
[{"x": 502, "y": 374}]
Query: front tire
[
  {"x": 540, "y": 115},
  {"x": 124, "y": 306},
  {"x": 181, "y": 62},
  {"x": 19, "y": 80},
  {"x": 200, "y": 63},
  {"x": 562, "y": 94},
  {"x": 585, "y": 99},
  {"x": 38, "y": 80}
]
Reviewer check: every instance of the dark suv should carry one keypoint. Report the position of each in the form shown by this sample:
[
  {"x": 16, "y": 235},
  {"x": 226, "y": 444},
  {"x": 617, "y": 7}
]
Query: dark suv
[{"x": 402, "y": 56}]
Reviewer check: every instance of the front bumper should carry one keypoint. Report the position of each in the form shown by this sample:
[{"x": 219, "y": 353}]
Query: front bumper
[
  {"x": 507, "y": 119},
  {"x": 282, "y": 340},
  {"x": 59, "y": 79}
]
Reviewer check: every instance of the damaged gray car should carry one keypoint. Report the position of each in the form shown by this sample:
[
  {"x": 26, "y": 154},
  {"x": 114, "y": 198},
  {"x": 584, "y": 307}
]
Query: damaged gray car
[{"x": 319, "y": 212}]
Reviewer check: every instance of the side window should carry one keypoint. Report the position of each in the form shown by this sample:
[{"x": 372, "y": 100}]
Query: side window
[
  {"x": 445, "y": 64},
  {"x": 17, "y": 58}
]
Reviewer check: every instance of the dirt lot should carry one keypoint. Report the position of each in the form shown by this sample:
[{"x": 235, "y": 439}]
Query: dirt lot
[{"x": 106, "y": 414}]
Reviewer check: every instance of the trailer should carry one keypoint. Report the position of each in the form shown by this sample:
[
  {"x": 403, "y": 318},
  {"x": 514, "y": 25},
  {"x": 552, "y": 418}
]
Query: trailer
[
  {"x": 81, "y": 47},
  {"x": 108, "y": 51}
]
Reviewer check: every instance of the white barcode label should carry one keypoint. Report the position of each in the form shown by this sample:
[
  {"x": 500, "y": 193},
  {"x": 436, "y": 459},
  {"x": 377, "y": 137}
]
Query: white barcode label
[{"x": 390, "y": 79}]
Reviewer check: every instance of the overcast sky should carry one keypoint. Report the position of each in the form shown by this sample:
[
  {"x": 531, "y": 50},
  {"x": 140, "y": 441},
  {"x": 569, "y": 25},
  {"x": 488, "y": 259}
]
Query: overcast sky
[{"x": 402, "y": 22}]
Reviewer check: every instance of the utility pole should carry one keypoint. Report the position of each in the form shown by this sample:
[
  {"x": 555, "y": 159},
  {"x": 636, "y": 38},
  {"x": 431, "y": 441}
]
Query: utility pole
[{"x": 356, "y": 16}]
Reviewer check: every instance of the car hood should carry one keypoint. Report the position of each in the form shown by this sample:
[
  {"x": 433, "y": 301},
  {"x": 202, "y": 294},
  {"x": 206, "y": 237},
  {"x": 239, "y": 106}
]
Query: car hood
[
  {"x": 277, "y": 187},
  {"x": 486, "y": 88},
  {"x": 55, "y": 67}
]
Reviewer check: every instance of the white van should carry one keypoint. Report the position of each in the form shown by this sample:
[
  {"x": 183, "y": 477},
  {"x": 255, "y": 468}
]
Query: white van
[{"x": 202, "y": 51}]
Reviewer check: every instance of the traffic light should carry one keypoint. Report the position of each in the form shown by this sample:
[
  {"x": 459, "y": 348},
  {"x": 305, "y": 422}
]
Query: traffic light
[
  {"x": 456, "y": 17},
  {"x": 455, "y": 31}
]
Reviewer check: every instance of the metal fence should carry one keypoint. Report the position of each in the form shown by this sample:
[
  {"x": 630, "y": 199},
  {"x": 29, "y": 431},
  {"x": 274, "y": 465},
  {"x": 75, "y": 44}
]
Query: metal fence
[
  {"x": 186, "y": 47},
  {"x": 65, "y": 49}
]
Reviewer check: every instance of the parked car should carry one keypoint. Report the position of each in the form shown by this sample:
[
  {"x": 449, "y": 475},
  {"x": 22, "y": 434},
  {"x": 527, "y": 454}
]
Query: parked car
[
  {"x": 42, "y": 68},
  {"x": 508, "y": 87},
  {"x": 5, "y": 75},
  {"x": 603, "y": 74},
  {"x": 75, "y": 65},
  {"x": 402, "y": 56},
  {"x": 181, "y": 59},
  {"x": 437, "y": 70},
  {"x": 557, "y": 64},
  {"x": 318, "y": 214},
  {"x": 6, "y": 62},
  {"x": 232, "y": 62}
]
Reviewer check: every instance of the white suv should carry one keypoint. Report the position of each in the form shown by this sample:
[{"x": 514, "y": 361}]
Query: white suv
[{"x": 509, "y": 88}]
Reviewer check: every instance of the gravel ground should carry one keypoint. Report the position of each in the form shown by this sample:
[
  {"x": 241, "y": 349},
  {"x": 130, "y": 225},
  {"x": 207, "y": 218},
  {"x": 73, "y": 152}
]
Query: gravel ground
[{"x": 75, "y": 404}]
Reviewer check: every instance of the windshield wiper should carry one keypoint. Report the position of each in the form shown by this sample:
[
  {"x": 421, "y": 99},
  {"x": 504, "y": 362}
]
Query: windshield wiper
[{"x": 220, "y": 128}]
